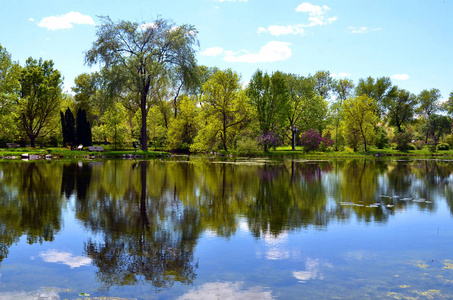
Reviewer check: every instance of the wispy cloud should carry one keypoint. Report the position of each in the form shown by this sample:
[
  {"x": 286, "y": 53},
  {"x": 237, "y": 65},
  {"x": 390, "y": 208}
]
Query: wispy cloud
[
  {"x": 400, "y": 77},
  {"x": 316, "y": 18},
  {"x": 362, "y": 29},
  {"x": 65, "y": 21},
  {"x": 227, "y": 290},
  {"x": 271, "y": 52}
]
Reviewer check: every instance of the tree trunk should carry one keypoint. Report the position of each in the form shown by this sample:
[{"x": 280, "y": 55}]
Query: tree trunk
[
  {"x": 293, "y": 142},
  {"x": 32, "y": 141},
  {"x": 143, "y": 137}
]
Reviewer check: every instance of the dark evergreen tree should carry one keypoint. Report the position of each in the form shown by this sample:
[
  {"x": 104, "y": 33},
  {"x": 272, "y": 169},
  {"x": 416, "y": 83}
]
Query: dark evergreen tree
[
  {"x": 83, "y": 128},
  {"x": 63, "y": 128},
  {"x": 70, "y": 128}
]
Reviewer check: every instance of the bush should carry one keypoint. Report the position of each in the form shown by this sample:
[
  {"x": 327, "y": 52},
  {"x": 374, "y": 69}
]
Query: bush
[
  {"x": 382, "y": 139},
  {"x": 419, "y": 144},
  {"x": 248, "y": 147},
  {"x": 443, "y": 146},
  {"x": 312, "y": 140},
  {"x": 402, "y": 140},
  {"x": 269, "y": 139}
]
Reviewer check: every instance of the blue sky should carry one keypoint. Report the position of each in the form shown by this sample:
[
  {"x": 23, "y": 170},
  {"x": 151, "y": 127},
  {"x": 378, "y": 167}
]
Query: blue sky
[{"x": 410, "y": 41}]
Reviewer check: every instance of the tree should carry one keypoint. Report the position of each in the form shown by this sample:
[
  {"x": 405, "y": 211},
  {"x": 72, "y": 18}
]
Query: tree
[
  {"x": 83, "y": 128},
  {"x": 9, "y": 87},
  {"x": 359, "y": 119},
  {"x": 140, "y": 55},
  {"x": 183, "y": 129},
  {"x": 436, "y": 126},
  {"x": 40, "y": 95},
  {"x": 448, "y": 105},
  {"x": 224, "y": 111},
  {"x": 68, "y": 127},
  {"x": 323, "y": 84},
  {"x": 269, "y": 97},
  {"x": 379, "y": 89},
  {"x": 343, "y": 90},
  {"x": 400, "y": 108},
  {"x": 115, "y": 127},
  {"x": 429, "y": 102}
]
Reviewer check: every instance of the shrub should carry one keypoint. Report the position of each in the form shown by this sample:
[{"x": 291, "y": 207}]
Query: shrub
[
  {"x": 310, "y": 140},
  {"x": 248, "y": 147},
  {"x": 402, "y": 139},
  {"x": 443, "y": 146},
  {"x": 382, "y": 139},
  {"x": 419, "y": 144},
  {"x": 269, "y": 139}
]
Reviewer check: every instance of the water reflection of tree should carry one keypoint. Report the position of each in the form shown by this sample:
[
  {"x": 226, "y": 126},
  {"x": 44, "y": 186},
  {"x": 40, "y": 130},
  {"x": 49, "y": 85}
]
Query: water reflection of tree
[
  {"x": 146, "y": 238},
  {"x": 30, "y": 203}
]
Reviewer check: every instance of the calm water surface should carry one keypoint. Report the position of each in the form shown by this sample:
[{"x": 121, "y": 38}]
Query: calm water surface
[{"x": 239, "y": 230}]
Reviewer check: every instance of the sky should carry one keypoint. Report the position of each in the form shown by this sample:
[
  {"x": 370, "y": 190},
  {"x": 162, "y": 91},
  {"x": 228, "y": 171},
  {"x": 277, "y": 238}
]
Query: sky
[{"x": 410, "y": 41}]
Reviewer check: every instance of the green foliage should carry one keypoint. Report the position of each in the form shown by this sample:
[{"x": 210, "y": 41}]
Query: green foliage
[
  {"x": 40, "y": 96},
  {"x": 248, "y": 146},
  {"x": 400, "y": 106},
  {"x": 225, "y": 110},
  {"x": 359, "y": 120},
  {"x": 402, "y": 140},
  {"x": 115, "y": 122},
  {"x": 382, "y": 140},
  {"x": 183, "y": 129},
  {"x": 443, "y": 146},
  {"x": 429, "y": 102}
]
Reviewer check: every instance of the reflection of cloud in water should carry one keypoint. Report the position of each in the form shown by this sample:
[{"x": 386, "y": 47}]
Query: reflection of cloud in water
[
  {"x": 276, "y": 248},
  {"x": 312, "y": 270},
  {"x": 226, "y": 290},
  {"x": 53, "y": 256},
  {"x": 41, "y": 295}
]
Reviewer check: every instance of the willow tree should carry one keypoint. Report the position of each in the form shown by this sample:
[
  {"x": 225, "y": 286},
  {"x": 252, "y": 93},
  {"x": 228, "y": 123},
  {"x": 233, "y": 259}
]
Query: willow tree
[{"x": 138, "y": 56}]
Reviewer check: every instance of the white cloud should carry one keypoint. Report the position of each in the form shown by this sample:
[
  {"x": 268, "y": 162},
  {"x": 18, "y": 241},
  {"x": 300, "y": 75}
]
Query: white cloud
[
  {"x": 65, "y": 21},
  {"x": 271, "y": 52},
  {"x": 213, "y": 51},
  {"x": 312, "y": 10},
  {"x": 341, "y": 75},
  {"x": 400, "y": 77},
  {"x": 146, "y": 26},
  {"x": 31, "y": 20},
  {"x": 53, "y": 256},
  {"x": 226, "y": 290},
  {"x": 316, "y": 18},
  {"x": 362, "y": 29}
]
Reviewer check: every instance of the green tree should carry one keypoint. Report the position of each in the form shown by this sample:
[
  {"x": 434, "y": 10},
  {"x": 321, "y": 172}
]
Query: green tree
[
  {"x": 115, "y": 124},
  {"x": 224, "y": 110},
  {"x": 137, "y": 57},
  {"x": 429, "y": 102},
  {"x": 323, "y": 84},
  {"x": 9, "y": 87},
  {"x": 379, "y": 89},
  {"x": 343, "y": 90},
  {"x": 270, "y": 99},
  {"x": 400, "y": 108},
  {"x": 360, "y": 118},
  {"x": 436, "y": 126},
  {"x": 40, "y": 96},
  {"x": 448, "y": 105},
  {"x": 183, "y": 129}
]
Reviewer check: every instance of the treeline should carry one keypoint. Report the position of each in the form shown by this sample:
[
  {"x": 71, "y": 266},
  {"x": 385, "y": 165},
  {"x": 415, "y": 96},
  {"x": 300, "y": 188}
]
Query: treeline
[{"x": 149, "y": 90}]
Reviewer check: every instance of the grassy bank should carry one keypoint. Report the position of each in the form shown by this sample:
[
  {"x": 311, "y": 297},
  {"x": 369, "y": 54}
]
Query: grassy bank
[{"x": 279, "y": 153}]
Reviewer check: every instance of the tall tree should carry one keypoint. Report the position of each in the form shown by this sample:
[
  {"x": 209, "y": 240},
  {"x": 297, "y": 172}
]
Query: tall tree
[
  {"x": 379, "y": 89},
  {"x": 83, "y": 128},
  {"x": 68, "y": 128},
  {"x": 270, "y": 99},
  {"x": 224, "y": 111},
  {"x": 9, "y": 87},
  {"x": 436, "y": 125},
  {"x": 429, "y": 102},
  {"x": 448, "y": 105},
  {"x": 40, "y": 95},
  {"x": 323, "y": 84},
  {"x": 360, "y": 118},
  {"x": 400, "y": 108},
  {"x": 141, "y": 54},
  {"x": 343, "y": 90}
]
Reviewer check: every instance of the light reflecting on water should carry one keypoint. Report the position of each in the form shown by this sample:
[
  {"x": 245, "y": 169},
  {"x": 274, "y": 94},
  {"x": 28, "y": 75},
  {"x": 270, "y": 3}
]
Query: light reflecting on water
[{"x": 256, "y": 229}]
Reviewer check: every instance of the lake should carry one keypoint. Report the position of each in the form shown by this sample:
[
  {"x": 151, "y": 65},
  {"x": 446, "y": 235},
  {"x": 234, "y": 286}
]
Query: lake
[{"x": 190, "y": 228}]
